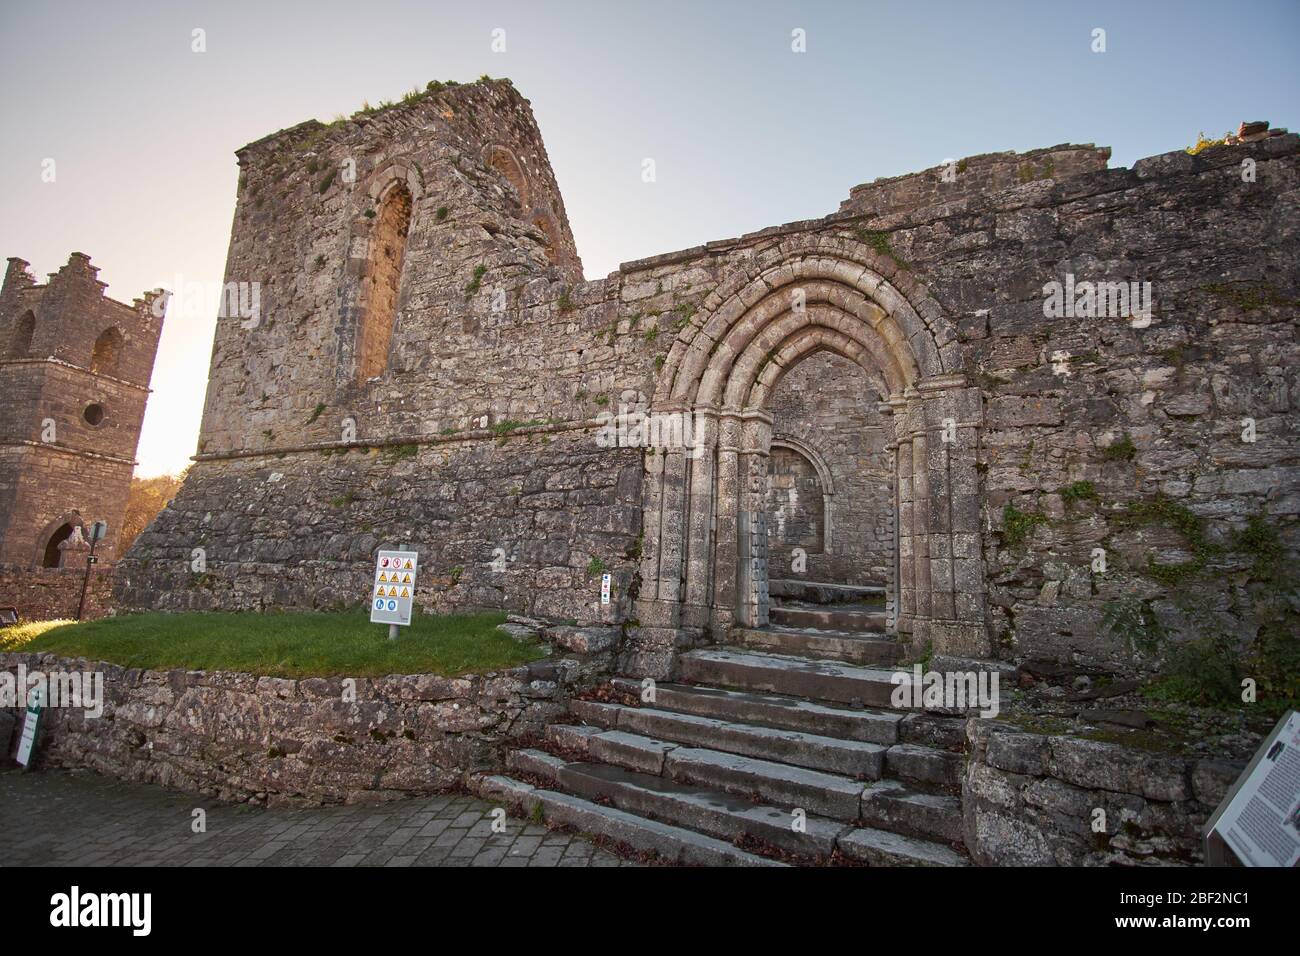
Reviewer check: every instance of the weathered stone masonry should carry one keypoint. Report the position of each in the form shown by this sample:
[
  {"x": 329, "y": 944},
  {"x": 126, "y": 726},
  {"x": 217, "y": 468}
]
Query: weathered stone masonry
[{"x": 477, "y": 442}]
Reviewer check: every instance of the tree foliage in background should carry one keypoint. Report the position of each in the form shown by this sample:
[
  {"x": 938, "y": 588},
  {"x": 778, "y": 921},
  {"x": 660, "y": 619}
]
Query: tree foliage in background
[{"x": 148, "y": 497}]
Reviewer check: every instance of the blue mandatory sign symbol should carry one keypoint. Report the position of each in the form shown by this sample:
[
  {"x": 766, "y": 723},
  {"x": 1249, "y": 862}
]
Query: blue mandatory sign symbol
[
  {"x": 392, "y": 605},
  {"x": 379, "y": 605}
]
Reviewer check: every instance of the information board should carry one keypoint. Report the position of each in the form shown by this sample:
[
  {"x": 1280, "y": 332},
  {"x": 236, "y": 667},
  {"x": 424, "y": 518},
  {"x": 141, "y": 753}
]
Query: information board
[
  {"x": 393, "y": 594},
  {"x": 1259, "y": 820}
]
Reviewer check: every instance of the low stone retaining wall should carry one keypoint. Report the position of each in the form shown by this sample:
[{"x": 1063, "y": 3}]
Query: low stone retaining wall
[
  {"x": 1031, "y": 799},
  {"x": 309, "y": 741},
  {"x": 48, "y": 594}
]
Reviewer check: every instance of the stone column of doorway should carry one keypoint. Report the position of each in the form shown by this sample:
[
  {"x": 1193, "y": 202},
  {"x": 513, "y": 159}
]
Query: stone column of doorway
[
  {"x": 701, "y": 461},
  {"x": 756, "y": 448},
  {"x": 727, "y": 531}
]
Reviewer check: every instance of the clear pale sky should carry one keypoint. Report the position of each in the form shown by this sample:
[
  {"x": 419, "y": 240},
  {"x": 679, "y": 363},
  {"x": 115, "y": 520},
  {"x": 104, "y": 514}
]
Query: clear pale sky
[{"x": 744, "y": 132}]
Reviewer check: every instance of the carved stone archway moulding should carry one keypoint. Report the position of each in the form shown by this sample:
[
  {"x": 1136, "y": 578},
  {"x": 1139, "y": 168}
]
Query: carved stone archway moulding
[{"x": 704, "y": 559}]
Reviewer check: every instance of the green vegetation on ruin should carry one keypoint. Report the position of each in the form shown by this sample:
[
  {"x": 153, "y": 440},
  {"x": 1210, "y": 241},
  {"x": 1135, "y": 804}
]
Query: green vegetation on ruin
[
  {"x": 1203, "y": 144},
  {"x": 1122, "y": 449},
  {"x": 476, "y": 283},
  {"x": 507, "y": 425},
  {"x": 1018, "y": 525},
  {"x": 1249, "y": 296},
  {"x": 879, "y": 243},
  {"x": 314, "y": 644},
  {"x": 1079, "y": 491}
]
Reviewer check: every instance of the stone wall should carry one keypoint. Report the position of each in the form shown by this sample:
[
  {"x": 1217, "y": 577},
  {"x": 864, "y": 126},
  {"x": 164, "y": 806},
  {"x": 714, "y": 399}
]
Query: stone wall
[
  {"x": 51, "y": 594},
  {"x": 528, "y": 521},
  {"x": 1031, "y": 799},
  {"x": 827, "y": 409},
  {"x": 280, "y": 741}
]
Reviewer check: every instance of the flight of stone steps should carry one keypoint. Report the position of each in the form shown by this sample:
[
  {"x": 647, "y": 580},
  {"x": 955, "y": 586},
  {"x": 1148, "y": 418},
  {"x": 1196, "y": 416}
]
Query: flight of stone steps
[{"x": 780, "y": 747}]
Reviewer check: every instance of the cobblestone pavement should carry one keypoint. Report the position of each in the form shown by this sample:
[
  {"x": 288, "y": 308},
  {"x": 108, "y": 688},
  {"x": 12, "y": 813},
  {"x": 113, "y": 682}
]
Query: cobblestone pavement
[{"x": 77, "y": 818}]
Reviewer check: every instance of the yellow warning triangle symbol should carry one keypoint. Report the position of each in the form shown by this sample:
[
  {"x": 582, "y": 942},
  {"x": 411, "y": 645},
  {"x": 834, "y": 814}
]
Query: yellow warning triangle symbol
[
  {"x": 392, "y": 592},
  {"x": 408, "y": 563},
  {"x": 405, "y": 593},
  {"x": 383, "y": 576},
  {"x": 379, "y": 592},
  {"x": 406, "y": 579}
]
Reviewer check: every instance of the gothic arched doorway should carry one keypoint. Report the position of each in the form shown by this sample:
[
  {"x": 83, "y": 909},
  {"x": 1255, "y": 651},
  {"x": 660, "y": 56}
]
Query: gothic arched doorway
[{"x": 704, "y": 563}]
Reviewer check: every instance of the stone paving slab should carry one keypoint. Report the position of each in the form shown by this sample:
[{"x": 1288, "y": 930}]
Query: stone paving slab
[{"x": 78, "y": 818}]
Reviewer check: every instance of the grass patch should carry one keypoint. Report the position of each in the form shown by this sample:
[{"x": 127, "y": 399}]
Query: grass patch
[{"x": 312, "y": 644}]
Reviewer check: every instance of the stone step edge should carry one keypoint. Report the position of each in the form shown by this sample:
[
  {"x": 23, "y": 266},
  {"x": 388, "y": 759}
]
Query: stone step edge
[
  {"x": 864, "y": 844},
  {"x": 669, "y": 843},
  {"x": 611, "y": 719},
  {"x": 760, "y": 698}
]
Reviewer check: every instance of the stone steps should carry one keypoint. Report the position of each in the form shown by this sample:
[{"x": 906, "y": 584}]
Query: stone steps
[
  {"x": 819, "y": 592},
  {"x": 828, "y": 618},
  {"x": 670, "y": 843},
  {"x": 718, "y": 814},
  {"x": 771, "y": 710},
  {"x": 939, "y": 769},
  {"x": 851, "y": 647},
  {"x": 776, "y": 752},
  {"x": 895, "y": 807},
  {"x": 852, "y": 758},
  {"x": 797, "y": 676}
]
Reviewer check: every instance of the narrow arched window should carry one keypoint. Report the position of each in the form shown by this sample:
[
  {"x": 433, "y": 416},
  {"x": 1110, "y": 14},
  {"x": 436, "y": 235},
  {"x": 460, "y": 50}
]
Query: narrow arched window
[
  {"x": 53, "y": 556},
  {"x": 24, "y": 331},
  {"x": 107, "y": 352},
  {"x": 383, "y": 273}
]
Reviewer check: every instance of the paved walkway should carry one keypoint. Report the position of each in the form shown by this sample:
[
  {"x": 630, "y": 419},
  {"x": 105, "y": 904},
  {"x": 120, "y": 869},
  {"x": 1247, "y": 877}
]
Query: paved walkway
[{"x": 77, "y": 818}]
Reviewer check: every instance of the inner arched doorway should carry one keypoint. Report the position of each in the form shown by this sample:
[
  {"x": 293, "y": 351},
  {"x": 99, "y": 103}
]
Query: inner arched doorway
[{"x": 704, "y": 563}]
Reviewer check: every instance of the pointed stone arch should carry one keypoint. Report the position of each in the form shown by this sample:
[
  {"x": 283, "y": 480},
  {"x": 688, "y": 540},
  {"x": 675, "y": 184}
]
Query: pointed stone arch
[
  {"x": 704, "y": 558},
  {"x": 369, "y": 294}
]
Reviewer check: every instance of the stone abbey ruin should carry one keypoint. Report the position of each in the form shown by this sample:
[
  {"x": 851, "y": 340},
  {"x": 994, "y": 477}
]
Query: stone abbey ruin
[{"x": 1021, "y": 415}]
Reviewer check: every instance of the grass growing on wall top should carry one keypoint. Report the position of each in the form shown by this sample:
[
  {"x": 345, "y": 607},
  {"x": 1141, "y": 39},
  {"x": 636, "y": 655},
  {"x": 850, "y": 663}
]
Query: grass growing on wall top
[{"x": 282, "y": 645}]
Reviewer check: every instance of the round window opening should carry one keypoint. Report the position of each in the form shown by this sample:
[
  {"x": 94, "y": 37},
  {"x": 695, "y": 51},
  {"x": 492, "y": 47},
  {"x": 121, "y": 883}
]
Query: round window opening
[{"x": 94, "y": 414}]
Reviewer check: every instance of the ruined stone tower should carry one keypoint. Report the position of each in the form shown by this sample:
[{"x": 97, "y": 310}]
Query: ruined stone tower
[{"x": 74, "y": 379}]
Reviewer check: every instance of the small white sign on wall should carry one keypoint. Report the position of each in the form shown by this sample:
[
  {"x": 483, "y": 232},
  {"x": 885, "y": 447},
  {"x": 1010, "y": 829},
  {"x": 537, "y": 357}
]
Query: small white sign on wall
[{"x": 604, "y": 588}]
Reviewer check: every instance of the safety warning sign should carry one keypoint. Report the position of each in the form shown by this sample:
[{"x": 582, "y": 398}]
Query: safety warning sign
[{"x": 390, "y": 600}]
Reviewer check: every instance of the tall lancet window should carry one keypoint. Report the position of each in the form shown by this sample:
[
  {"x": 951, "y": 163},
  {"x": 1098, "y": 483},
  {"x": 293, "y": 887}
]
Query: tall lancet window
[{"x": 383, "y": 273}]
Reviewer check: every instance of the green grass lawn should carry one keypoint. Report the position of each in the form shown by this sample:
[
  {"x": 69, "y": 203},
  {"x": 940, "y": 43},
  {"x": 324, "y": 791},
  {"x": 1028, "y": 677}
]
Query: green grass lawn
[{"x": 282, "y": 645}]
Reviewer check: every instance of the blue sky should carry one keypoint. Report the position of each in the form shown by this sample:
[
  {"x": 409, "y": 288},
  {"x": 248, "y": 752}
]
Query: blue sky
[{"x": 744, "y": 132}]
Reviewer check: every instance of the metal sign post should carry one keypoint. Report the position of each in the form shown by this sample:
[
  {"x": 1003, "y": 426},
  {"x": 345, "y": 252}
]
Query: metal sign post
[
  {"x": 393, "y": 594},
  {"x": 97, "y": 531}
]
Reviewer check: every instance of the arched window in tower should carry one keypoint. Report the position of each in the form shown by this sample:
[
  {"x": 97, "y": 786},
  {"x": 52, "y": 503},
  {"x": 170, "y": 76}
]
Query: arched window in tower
[
  {"x": 504, "y": 162},
  {"x": 24, "y": 331},
  {"x": 107, "y": 352},
  {"x": 383, "y": 273}
]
